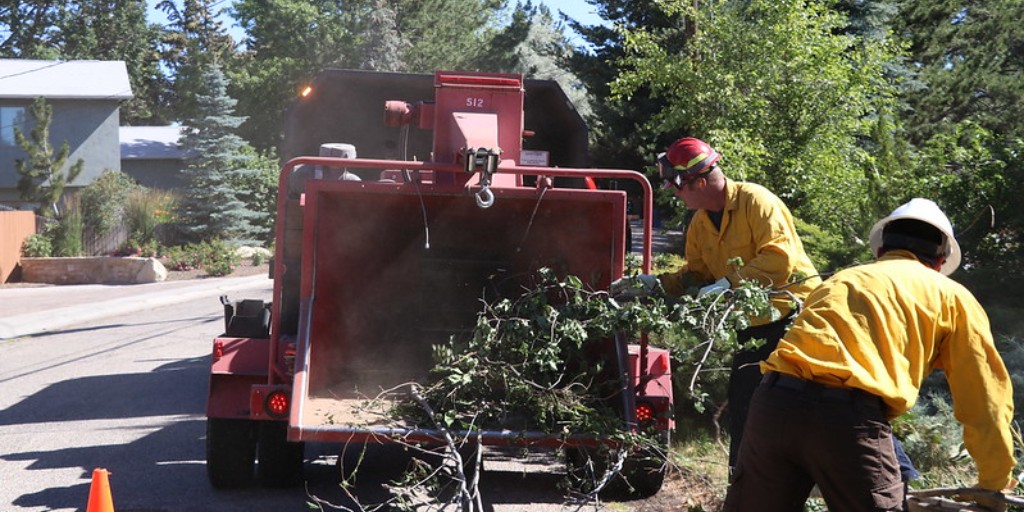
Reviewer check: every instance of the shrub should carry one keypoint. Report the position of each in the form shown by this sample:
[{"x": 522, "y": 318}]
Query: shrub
[
  {"x": 67, "y": 234},
  {"x": 103, "y": 201},
  {"x": 219, "y": 258},
  {"x": 145, "y": 210},
  {"x": 216, "y": 257},
  {"x": 133, "y": 247},
  {"x": 183, "y": 258},
  {"x": 37, "y": 246}
]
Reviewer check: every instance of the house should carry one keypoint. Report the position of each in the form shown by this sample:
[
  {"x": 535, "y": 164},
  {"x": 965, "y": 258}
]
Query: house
[
  {"x": 151, "y": 155},
  {"x": 85, "y": 97}
]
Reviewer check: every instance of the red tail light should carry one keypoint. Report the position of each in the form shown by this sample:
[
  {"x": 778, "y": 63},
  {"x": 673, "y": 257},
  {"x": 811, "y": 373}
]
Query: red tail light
[
  {"x": 644, "y": 412},
  {"x": 218, "y": 350},
  {"x": 277, "y": 404}
]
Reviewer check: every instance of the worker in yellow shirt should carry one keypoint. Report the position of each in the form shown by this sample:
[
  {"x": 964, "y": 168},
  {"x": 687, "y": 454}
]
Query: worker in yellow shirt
[
  {"x": 732, "y": 220},
  {"x": 855, "y": 358}
]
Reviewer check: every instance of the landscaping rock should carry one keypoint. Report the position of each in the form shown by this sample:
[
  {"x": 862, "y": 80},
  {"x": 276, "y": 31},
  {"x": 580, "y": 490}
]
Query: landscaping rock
[{"x": 92, "y": 270}]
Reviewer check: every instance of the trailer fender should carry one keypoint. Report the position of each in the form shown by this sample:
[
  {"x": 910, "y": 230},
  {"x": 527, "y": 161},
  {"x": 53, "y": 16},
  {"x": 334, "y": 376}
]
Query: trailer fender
[{"x": 237, "y": 364}]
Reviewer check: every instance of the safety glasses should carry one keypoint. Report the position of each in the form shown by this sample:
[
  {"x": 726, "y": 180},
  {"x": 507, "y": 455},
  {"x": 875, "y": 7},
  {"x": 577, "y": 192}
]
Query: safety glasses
[{"x": 673, "y": 177}]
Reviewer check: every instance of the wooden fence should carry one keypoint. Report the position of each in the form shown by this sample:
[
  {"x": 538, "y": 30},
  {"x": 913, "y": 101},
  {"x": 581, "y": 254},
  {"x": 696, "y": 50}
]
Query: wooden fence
[{"x": 15, "y": 227}]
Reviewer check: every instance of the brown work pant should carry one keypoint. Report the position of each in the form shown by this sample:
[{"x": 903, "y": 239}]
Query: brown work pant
[{"x": 799, "y": 434}]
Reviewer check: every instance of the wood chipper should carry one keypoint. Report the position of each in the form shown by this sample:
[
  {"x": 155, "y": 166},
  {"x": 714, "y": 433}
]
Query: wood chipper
[{"x": 380, "y": 256}]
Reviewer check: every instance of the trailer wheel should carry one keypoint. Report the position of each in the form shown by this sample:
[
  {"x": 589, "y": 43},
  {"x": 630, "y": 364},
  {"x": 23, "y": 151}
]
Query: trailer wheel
[
  {"x": 642, "y": 474},
  {"x": 452, "y": 477},
  {"x": 280, "y": 461},
  {"x": 230, "y": 452}
]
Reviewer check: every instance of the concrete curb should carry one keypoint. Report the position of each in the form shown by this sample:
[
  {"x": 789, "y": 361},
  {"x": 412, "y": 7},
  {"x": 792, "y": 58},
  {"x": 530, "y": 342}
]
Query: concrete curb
[{"x": 30, "y": 324}]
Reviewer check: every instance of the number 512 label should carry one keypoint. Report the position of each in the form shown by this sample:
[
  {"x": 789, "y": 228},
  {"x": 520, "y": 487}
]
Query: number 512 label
[{"x": 475, "y": 102}]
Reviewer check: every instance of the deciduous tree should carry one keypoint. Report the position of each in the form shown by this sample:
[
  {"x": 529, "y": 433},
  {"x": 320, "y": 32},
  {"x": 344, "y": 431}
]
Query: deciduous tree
[{"x": 779, "y": 90}]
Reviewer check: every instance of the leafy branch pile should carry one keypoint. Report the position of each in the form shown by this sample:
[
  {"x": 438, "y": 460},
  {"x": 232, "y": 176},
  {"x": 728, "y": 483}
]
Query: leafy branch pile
[{"x": 544, "y": 360}]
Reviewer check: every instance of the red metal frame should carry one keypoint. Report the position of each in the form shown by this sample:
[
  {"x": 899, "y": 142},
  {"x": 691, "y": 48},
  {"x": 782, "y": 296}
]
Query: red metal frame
[{"x": 464, "y": 118}]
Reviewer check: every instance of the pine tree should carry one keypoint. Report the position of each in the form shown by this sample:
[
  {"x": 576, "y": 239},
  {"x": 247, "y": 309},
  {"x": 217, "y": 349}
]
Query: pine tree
[
  {"x": 617, "y": 135},
  {"x": 212, "y": 207},
  {"x": 195, "y": 40},
  {"x": 535, "y": 45},
  {"x": 383, "y": 47},
  {"x": 27, "y": 29},
  {"x": 43, "y": 177},
  {"x": 117, "y": 30},
  {"x": 969, "y": 57}
]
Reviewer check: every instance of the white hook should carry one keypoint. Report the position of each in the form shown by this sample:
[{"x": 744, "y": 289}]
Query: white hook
[{"x": 485, "y": 198}]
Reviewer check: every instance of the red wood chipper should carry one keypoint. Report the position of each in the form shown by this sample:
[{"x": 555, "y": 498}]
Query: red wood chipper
[{"x": 379, "y": 257}]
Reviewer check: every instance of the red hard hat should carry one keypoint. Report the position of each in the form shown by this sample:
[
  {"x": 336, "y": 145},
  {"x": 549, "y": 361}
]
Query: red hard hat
[{"x": 686, "y": 159}]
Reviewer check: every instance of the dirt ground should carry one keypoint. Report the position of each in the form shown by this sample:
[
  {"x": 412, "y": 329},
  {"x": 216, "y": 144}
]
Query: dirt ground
[{"x": 684, "y": 491}]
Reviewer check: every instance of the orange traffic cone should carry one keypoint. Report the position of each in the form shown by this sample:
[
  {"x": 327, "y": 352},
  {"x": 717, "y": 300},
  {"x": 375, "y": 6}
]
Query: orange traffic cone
[{"x": 99, "y": 492}]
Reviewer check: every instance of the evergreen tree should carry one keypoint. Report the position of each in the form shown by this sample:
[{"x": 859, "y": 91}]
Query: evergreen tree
[
  {"x": 28, "y": 28},
  {"x": 970, "y": 58},
  {"x": 212, "y": 207},
  {"x": 446, "y": 34},
  {"x": 534, "y": 44},
  {"x": 194, "y": 41},
  {"x": 117, "y": 30},
  {"x": 618, "y": 137},
  {"x": 383, "y": 48},
  {"x": 288, "y": 42},
  {"x": 43, "y": 175}
]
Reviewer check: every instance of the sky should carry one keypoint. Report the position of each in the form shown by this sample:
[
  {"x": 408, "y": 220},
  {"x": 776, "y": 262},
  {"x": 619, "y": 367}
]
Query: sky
[{"x": 578, "y": 10}]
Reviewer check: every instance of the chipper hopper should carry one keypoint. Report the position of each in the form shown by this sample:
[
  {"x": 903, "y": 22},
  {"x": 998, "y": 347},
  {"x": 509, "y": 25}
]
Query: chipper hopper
[{"x": 380, "y": 257}]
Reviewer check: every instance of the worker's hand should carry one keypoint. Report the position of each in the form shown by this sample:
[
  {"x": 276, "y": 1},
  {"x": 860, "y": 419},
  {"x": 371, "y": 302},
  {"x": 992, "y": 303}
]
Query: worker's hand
[
  {"x": 639, "y": 285},
  {"x": 716, "y": 287}
]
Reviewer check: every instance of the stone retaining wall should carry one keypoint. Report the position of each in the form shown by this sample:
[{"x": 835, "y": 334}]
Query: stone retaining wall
[{"x": 92, "y": 270}]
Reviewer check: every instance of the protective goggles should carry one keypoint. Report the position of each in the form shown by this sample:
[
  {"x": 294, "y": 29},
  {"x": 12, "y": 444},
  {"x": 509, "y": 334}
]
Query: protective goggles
[{"x": 676, "y": 175}]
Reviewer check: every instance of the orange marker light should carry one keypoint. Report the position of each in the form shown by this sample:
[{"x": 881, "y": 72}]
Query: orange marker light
[{"x": 306, "y": 91}]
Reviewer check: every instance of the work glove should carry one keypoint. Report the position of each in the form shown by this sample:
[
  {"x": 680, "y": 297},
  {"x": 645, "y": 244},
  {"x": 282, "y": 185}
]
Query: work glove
[
  {"x": 640, "y": 285},
  {"x": 716, "y": 287}
]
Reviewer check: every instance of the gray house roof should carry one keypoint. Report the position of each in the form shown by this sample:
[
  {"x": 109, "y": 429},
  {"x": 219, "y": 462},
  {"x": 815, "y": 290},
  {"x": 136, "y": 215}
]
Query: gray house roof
[
  {"x": 76, "y": 79},
  {"x": 151, "y": 143}
]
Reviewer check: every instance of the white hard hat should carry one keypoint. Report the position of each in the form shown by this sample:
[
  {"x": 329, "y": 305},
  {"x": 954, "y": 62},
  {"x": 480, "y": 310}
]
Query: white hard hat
[{"x": 926, "y": 211}]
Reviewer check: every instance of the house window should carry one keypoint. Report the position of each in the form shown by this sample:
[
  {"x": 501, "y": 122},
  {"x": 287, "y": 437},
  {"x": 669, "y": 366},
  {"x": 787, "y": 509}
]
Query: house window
[{"x": 11, "y": 118}]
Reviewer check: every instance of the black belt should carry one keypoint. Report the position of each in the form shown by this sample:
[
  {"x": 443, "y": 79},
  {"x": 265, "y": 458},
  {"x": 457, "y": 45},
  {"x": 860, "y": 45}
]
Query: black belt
[{"x": 816, "y": 390}]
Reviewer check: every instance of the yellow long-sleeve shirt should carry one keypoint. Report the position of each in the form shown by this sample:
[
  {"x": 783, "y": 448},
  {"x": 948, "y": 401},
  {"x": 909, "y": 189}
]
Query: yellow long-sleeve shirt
[
  {"x": 756, "y": 227},
  {"x": 885, "y": 326}
]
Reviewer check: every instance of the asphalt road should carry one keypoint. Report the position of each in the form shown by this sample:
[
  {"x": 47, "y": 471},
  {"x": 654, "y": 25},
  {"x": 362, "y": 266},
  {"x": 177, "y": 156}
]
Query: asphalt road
[{"x": 127, "y": 393}]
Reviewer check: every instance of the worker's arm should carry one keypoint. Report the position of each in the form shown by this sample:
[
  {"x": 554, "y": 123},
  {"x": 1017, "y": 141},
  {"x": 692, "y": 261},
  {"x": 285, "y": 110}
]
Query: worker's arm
[
  {"x": 982, "y": 392},
  {"x": 776, "y": 245},
  {"x": 695, "y": 273}
]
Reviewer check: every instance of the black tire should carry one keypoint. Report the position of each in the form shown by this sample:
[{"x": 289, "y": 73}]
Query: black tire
[
  {"x": 280, "y": 461},
  {"x": 644, "y": 471},
  {"x": 230, "y": 452},
  {"x": 642, "y": 474},
  {"x": 448, "y": 484}
]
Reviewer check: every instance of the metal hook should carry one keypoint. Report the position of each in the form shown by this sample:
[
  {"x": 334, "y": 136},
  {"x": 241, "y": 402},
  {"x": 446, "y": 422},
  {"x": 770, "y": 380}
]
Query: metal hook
[{"x": 484, "y": 198}]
